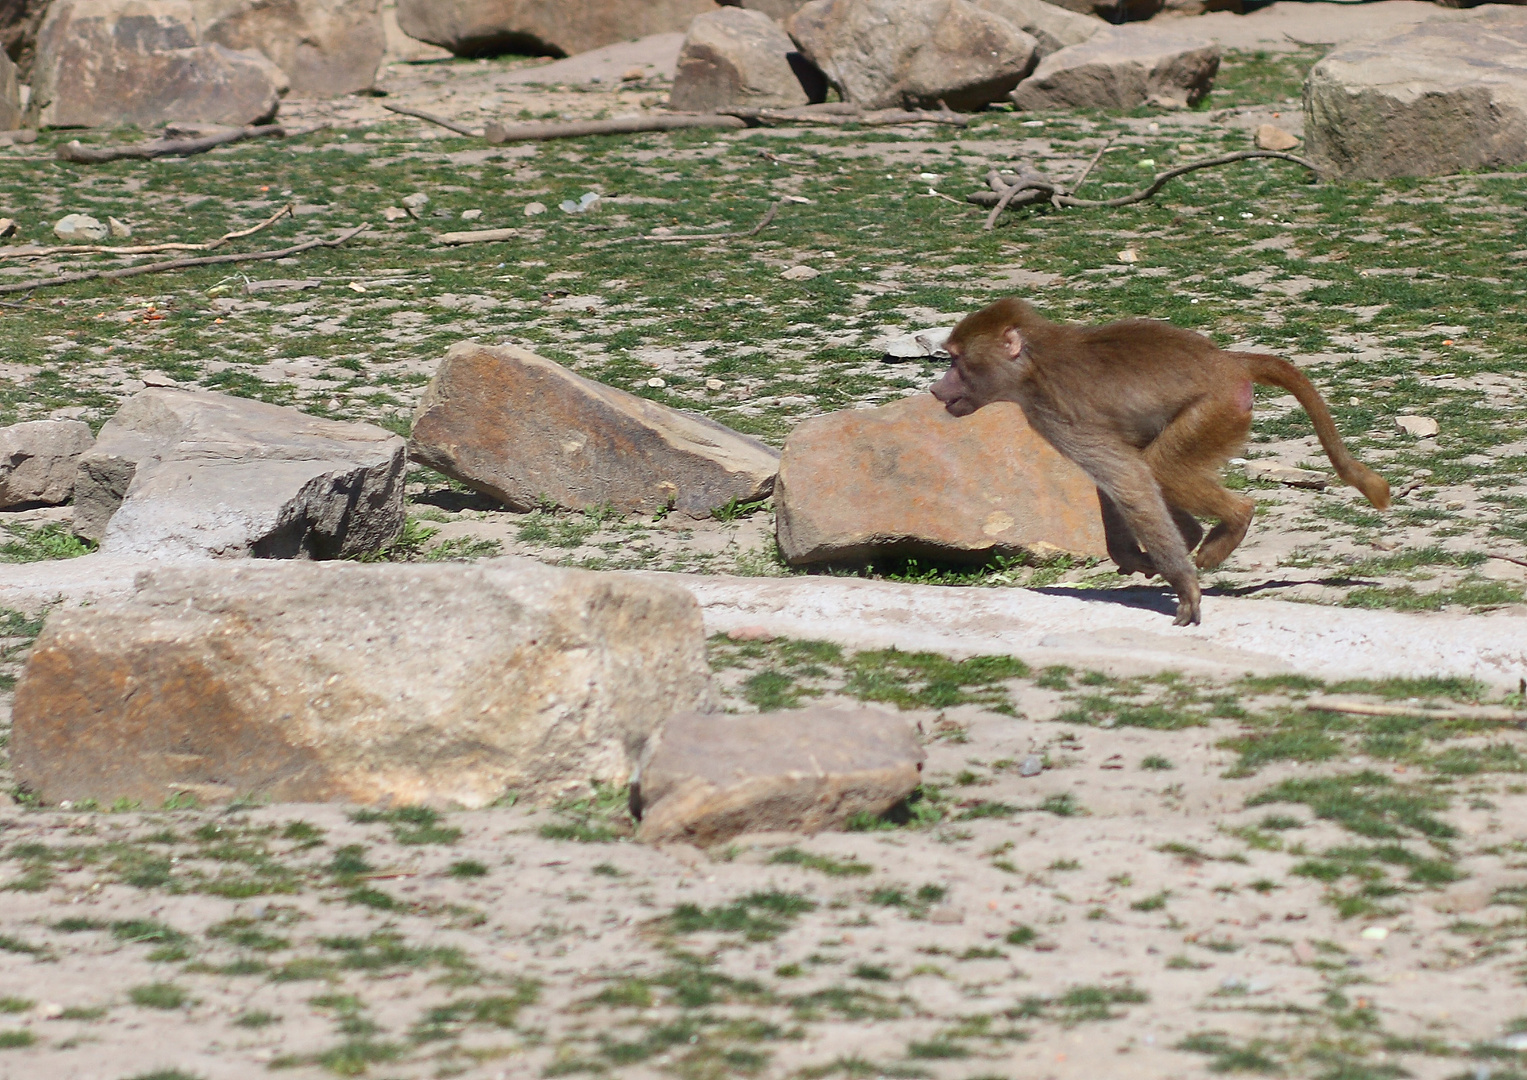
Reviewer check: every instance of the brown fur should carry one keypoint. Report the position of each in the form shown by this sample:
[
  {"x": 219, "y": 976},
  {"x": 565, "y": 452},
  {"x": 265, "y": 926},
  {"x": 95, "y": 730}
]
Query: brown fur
[{"x": 1151, "y": 412}]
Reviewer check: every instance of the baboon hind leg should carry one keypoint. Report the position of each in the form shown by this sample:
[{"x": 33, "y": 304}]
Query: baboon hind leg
[{"x": 1186, "y": 458}]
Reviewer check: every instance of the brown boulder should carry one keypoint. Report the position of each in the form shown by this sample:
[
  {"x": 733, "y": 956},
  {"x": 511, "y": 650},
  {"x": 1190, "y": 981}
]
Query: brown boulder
[
  {"x": 10, "y": 95},
  {"x": 909, "y": 480},
  {"x": 733, "y": 56},
  {"x": 110, "y": 63},
  {"x": 1115, "y": 11},
  {"x": 913, "y": 54},
  {"x": 19, "y": 20},
  {"x": 326, "y": 47},
  {"x": 705, "y": 778},
  {"x": 1123, "y": 67},
  {"x": 523, "y": 429},
  {"x": 486, "y": 27},
  {"x": 317, "y": 682},
  {"x": 38, "y": 460}
]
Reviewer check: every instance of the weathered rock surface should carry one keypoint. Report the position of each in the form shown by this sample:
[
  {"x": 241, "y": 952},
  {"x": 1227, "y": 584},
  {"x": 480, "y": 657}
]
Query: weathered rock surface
[
  {"x": 79, "y": 229},
  {"x": 909, "y": 480},
  {"x": 180, "y": 474},
  {"x": 733, "y": 56},
  {"x": 10, "y": 95},
  {"x": 1439, "y": 97},
  {"x": 38, "y": 460},
  {"x": 1123, "y": 67},
  {"x": 326, "y": 47},
  {"x": 913, "y": 53},
  {"x": 707, "y": 778},
  {"x": 775, "y": 9},
  {"x": 1052, "y": 26},
  {"x": 107, "y": 63},
  {"x": 485, "y": 27},
  {"x": 1115, "y": 11},
  {"x": 356, "y": 683},
  {"x": 521, "y": 428},
  {"x": 19, "y": 20}
]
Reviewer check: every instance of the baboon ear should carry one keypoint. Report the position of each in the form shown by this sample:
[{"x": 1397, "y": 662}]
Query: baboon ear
[{"x": 1012, "y": 337}]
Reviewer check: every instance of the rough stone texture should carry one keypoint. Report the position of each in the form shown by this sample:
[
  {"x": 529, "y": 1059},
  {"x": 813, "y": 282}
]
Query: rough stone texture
[
  {"x": 733, "y": 56},
  {"x": 19, "y": 20},
  {"x": 1123, "y": 67},
  {"x": 10, "y": 95},
  {"x": 178, "y": 474},
  {"x": 913, "y": 53},
  {"x": 1053, "y": 27},
  {"x": 1436, "y": 98},
  {"x": 1114, "y": 11},
  {"x": 108, "y": 63},
  {"x": 909, "y": 480},
  {"x": 520, "y": 428},
  {"x": 38, "y": 460},
  {"x": 707, "y": 778},
  {"x": 326, "y": 47},
  {"x": 775, "y": 9},
  {"x": 355, "y": 683},
  {"x": 484, "y": 27}
]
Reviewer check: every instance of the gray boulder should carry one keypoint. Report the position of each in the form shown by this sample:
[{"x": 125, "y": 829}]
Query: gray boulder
[
  {"x": 733, "y": 56},
  {"x": 19, "y": 20},
  {"x": 1123, "y": 67},
  {"x": 705, "y": 779},
  {"x": 1430, "y": 99},
  {"x": 1115, "y": 11},
  {"x": 181, "y": 474},
  {"x": 110, "y": 63},
  {"x": 485, "y": 27},
  {"x": 1052, "y": 27},
  {"x": 775, "y": 9},
  {"x": 342, "y": 682},
  {"x": 326, "y": 47},
  {"x": 521, "y": 429},
  {"x": 38, "y": 460},
  {"x": 913, "y": 53},
  {"x": 10, "y": 95}
]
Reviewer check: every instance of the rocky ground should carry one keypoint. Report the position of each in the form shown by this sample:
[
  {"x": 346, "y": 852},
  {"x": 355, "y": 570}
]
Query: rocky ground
[{"x": 1204, "y": 876}]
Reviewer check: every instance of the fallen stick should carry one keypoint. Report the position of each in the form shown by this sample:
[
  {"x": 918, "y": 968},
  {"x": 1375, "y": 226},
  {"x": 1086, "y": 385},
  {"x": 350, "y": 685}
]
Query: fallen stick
[
  {"x": 80, "y": 154},
  {"x": 288, "y": 210},
  {"x": 498, "y": 134},
  {"x": 449, "y": 125},
  {"x": 181, "y": 264},
  {"x": 1044, "y": 192},
  {"x": 754, "y": 231},
  {"x": 1368, "y": 708},
  {"x": 478, "y": 236}
]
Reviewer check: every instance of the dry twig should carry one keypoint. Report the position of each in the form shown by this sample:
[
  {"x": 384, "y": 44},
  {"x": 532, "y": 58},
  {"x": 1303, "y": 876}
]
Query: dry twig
[
  {"x": 181, "y": 264},
  {"x": 449, "y": 125},
  {"x": 498, "y": 134},
  {"x": 763, "y": 223},
  {"x": 1355, "y": 707},
  {"x": 76, "y": 152},
  {"x": 146, "y": 249}
]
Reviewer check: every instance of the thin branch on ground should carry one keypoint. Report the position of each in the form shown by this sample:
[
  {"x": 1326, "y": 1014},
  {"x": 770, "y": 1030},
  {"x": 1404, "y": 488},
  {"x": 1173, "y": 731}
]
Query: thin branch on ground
[
  {"x": 289, "y": 210},
  {"x": 1354, "y": 707},
  {"x": 763, "y": 224},
  {"x": 449, "y": 125},
  {"x": 181, "y": 264},
  {"x": 1076, "y": 185},
  {"x": 498, "y": 134},
  {"x": 1032, "y": 189},
  {"x": 80, "y": 154}
]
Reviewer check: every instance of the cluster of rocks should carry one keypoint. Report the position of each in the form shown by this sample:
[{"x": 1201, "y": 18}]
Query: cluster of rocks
[{"x": 965, "y": 54}]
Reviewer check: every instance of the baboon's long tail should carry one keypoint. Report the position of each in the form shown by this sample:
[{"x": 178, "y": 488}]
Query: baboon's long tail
[{"x": 1272, "y": 371}]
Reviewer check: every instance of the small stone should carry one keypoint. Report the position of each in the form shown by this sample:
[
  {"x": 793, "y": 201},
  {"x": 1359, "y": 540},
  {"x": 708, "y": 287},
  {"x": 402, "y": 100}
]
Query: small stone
[
  {"x": 395, "y": 213},
  {"x": 1286, "y": 474},
  {"x": 714, "y": 384},
  {"x": 631, "y": 74},
  {"x": 1129, "y": 255},
  {"x": 946, "y": 915},
  {"x": 1031, "y": 766},
  {"x": 916, "y": 345},
  {"x": 1516, "y": 1041},
  {"x": 800, "y": 273},
  {"x": 1272, "y": 137},
  {"x": 470, "y": 215},
  {"x": 120, "y": 229},
  {"x": 567, "y": 206},
  {"x": 1374, "y": 933},
  {"x": 78, "y": 229},
  {"x": 50, "y": 1010},
  {"x": 532, "y": 209},
  {"x": 415, "y": 203},
  {"x": 1422, "y": 427},
  {"x": 750, "y": 633},
  {"x": 656, "y": 383},
  {"x": 7, "y": 227},
  {"x": 159, "y": 378},
  {"x": 1454, "y": 505}
]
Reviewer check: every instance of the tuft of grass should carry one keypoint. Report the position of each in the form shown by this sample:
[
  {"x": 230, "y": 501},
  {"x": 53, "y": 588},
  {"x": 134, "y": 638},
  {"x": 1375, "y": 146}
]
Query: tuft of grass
[
  {"x": 16, "y": 1039},
  {"x": 758, "y": 916},
  {"x": 793, "y": 856},
  {"x": 158, "y": 995},
  {"x": 411, "y": 824},
  {"x": 467, "y": 868},
  {"x": 41, "y": 544}
]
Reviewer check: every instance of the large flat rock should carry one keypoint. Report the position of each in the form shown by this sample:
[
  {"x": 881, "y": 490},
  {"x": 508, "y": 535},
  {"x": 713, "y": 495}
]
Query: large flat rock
[
  {"x": 909, "y": 480},
  {"x": 345, "y": 682},
  {"x": 485, "y": 27},
  {"x": 326, "y": 47},
  {"x": 1124, "y": 67},
  {"x": 1430, "y": 99},
  {"x": 705, "y": 779},
  {"x": 183, "y": 474},
  {"x": 523, "y": 429},
  {"x": 109, "y": 63}
]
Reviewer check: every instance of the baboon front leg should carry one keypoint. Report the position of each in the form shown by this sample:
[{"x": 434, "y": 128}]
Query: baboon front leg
[{"x": 1125, "y": 550}]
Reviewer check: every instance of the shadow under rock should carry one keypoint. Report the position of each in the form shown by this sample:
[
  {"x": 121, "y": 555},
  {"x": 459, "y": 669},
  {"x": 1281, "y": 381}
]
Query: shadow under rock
[{"x": 453, "y": 501}]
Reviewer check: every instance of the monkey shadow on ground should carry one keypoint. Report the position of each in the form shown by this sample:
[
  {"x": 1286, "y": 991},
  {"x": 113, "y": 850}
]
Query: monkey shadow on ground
[
  {"x": 453, "y": 501},
  {"x": 1161, "y": 598}
]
